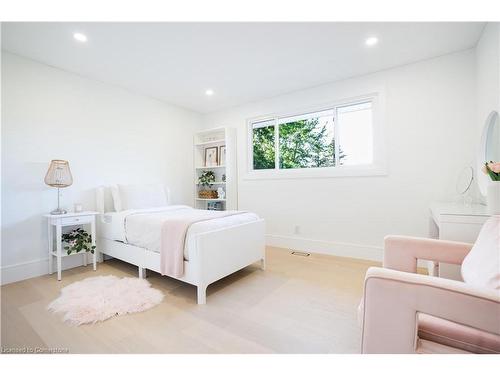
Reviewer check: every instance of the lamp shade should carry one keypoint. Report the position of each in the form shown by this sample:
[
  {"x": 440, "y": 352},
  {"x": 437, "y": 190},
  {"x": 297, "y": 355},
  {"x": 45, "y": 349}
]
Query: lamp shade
[{"x": 59, "y": 174}]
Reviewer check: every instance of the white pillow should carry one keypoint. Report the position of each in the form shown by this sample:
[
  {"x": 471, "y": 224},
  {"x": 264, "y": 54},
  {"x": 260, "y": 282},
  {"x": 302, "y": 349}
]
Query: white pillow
[
  {"x": 481, "y": 267},
  {"x": 142, "y": 196},
  {"x": 115, "y": 193}
]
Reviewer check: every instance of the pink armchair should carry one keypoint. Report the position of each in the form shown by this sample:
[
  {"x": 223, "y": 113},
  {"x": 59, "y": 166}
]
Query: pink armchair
[{"x": 406, "y": 312}]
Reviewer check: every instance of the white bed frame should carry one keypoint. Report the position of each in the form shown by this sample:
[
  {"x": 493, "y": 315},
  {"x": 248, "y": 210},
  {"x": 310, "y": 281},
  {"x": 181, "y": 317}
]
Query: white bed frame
[{"x": 217, "y": 253}]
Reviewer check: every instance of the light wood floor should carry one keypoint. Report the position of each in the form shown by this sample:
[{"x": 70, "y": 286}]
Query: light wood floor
[{"x": 298, "y": 305}]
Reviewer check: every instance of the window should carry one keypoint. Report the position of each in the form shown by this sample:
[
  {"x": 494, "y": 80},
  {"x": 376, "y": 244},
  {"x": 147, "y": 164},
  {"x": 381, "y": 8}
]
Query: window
[
  {"x": 355, "y": 134},
  {"x": 263, "y": 145},
  {"x": 340, "y": 136},
  {"x": 306, "y": 141}
]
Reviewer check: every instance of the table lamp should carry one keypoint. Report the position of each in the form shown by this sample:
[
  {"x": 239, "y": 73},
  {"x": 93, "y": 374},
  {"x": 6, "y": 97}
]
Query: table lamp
[{"x": 59, "y": 176}]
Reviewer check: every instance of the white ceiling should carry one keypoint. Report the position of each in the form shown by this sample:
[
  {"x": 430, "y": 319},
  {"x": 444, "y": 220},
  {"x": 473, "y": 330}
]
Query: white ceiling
[{"x": 241, "y": 62}]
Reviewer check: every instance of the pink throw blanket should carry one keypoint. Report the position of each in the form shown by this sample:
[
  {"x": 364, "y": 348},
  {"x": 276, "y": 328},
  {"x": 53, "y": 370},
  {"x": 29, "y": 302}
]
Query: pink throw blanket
[{"x": 173, "y": 238}]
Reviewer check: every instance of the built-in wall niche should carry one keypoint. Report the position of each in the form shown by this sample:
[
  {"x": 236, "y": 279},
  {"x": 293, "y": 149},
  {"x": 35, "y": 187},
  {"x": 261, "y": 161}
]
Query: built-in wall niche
[{"x": 215, "y": 164}]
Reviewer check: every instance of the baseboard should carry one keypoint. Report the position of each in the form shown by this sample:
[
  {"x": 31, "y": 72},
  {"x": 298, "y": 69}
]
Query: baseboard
[
  {"x": 341, "y": 249},
  {"x": 34, "y": 268}
]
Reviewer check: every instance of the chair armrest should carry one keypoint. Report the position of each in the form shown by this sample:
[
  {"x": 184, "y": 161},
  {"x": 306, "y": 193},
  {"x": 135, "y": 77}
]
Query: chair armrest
[
  {"x": 392, "y": 300},
  {"x": 401, "y": 252}
]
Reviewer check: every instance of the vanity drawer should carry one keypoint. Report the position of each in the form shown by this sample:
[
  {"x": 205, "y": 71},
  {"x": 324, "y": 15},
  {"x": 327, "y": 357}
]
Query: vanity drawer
[{"x": 76, "y": 220}]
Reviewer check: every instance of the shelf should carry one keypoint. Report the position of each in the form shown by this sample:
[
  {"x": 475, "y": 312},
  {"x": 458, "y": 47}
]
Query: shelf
[
  {"x": 215, "y": 167},
  {"x": 215, "y": 130},
  {"x": 211, "y": 200},
  {"x": 214, "y": 183},
  {"x": 221, "y": 136},
  {"x": 209, "y": 143},
  {"x": 65, "y": 254}
]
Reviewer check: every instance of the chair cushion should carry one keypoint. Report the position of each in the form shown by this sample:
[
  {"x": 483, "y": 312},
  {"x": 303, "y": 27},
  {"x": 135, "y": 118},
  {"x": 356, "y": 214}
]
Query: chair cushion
[
  {"x": 481, "y": 267},
  {"x": 457, "y": 336}
]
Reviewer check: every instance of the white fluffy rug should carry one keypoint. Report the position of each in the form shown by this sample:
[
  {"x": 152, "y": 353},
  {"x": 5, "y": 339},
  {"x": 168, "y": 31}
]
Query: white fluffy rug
[{"x": 99, "y": 298}]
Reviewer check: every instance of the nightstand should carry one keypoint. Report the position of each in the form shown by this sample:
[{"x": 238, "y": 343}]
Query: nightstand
[{"x": 57, "y": 222}]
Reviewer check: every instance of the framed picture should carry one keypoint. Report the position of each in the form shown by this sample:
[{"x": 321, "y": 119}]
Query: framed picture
[
  {"x": 222, "y": 155},
  {"x": 211, "y": 156}
]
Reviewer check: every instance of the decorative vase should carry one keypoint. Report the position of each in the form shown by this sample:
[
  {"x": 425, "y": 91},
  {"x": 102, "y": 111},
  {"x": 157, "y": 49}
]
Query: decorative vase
[{"x": 493, "y": 198}]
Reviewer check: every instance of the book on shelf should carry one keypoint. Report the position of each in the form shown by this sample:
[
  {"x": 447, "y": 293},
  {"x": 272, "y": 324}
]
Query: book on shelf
[{"x": 214, "y": 206}]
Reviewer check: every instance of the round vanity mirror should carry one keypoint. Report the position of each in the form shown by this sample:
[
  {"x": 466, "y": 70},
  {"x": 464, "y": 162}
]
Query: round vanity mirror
[
  {"x": 464, "y": 180},
  {"x": 489, "y": 149}
]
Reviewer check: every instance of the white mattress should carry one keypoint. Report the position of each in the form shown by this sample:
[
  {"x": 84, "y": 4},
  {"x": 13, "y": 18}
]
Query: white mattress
[{"x": 142, "y": 228}]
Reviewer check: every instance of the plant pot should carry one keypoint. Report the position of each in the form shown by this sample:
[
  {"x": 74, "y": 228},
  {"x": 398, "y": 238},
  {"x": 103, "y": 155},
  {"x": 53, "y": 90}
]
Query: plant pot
[{"x": 493, "y": 198}]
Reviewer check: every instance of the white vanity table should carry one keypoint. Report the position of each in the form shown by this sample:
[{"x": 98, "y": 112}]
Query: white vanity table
[
  {"x": 460, "y": 221},
  {"x": 455, "y": 222}
]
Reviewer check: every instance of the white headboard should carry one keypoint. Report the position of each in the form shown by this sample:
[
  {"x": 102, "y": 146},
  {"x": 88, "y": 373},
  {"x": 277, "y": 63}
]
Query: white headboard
[{"x": 104, "y": 199}]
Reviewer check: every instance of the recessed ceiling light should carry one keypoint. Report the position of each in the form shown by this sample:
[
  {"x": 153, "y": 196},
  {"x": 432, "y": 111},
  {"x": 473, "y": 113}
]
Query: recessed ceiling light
[
  {"x": 80, "y": 37},
  {"x": 371, "y": 41},
  {"x": 209, "y": 92}
]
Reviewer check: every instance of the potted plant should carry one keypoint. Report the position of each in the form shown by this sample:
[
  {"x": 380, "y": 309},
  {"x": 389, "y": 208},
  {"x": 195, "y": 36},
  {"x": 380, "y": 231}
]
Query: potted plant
[
  {"x": 78, "y": 240},
  {"x": 492, "y": 169},
  {"x": 205, "y": 180}
]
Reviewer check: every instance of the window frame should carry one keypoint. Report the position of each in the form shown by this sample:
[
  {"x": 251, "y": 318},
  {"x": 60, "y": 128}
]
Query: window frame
[{"x": 377, "y": 168}]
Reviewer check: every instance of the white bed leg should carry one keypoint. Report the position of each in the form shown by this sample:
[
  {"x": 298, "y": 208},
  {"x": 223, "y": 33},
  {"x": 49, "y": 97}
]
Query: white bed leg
[
  {"x": 202, "y": 294},
  {"x": 142, "y": 273},
  {"x": 263, "y": 264}
]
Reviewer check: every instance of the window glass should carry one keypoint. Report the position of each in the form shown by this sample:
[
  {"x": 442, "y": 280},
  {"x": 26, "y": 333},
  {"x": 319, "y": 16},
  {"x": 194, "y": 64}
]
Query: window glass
[
  {"x": 355, "y": 134},
  {"x": 263, "y": 144},
  {"x": 340, "y": 136},
  {"x": 307, "y": 141}
]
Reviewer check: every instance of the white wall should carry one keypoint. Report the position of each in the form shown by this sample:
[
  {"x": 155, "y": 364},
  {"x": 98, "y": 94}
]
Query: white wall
[
  {"x": 488, "y": 73},
  {"x": 108, "y": 134},
  {"x": 487, "y": 87},
  {"x": 111, "y": 135},
  {"x": 430, "y": 107}
]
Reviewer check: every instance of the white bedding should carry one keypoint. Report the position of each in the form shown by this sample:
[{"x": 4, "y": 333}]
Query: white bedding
[{"x": 142, "y": 227}]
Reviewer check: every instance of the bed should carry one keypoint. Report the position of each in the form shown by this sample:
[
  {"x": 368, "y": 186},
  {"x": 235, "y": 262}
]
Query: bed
[{"x": 213, "y": 248}]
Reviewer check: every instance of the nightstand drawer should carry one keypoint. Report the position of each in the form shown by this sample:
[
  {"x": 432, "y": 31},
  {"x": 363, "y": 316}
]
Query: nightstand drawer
[{"x": 76, "y": 220}]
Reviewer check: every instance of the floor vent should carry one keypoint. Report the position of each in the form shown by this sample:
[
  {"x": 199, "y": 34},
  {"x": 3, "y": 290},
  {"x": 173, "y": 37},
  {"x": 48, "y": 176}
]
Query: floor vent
[{"x": 300, "y": 253}]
